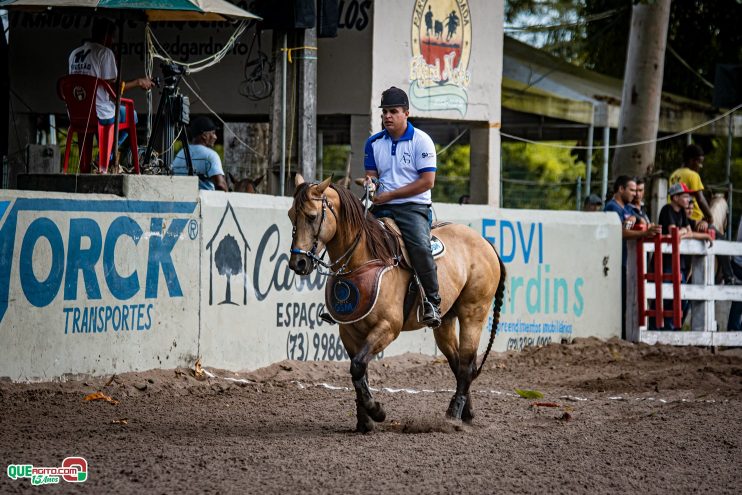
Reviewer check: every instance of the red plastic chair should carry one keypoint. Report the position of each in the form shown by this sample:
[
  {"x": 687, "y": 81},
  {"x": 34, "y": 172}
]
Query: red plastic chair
[{"x": 78, "y": 92}]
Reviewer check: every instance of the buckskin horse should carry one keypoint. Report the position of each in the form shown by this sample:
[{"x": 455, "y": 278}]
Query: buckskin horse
[{"x": 471, "y": 276}]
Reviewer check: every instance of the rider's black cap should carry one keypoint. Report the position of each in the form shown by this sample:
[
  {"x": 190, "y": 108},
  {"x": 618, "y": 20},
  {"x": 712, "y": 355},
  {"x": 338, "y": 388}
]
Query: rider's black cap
[{"x": 394, "y": 97}]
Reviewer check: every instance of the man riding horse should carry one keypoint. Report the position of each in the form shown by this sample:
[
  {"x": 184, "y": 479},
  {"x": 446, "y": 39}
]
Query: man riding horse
[
  {"x": 365, "y": 265},
  {"x": 402, "y": 158}
]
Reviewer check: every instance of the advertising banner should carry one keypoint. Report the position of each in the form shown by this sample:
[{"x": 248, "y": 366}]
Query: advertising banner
[{"x": 96, "y": 284}]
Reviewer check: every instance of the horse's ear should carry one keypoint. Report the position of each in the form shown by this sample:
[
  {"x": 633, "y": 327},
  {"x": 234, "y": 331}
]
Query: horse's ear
[
  {"x": 257, "y": 181},
  {"x": 324, "y": 184},
  {"x": 298, "y": 180},
  {"x": 231, "y": 177}
]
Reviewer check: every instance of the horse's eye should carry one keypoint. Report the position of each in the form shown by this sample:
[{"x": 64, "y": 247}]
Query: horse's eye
[{"x": 311, "y": 218}]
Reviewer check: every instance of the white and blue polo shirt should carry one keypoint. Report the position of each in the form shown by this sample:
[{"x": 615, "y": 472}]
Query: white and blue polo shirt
[{"x": 399, "y": 163}]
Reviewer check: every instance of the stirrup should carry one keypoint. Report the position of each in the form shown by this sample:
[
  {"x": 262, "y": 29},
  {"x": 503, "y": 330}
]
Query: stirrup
[{"x": 433, "y": 318}]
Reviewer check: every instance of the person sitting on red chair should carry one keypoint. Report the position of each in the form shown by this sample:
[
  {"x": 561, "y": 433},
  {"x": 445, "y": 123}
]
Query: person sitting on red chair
[{"x": 95, "y": 58}]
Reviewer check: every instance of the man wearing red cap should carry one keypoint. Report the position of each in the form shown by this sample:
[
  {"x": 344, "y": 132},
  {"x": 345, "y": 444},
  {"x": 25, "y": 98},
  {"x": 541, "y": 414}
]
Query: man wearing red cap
[
  {"x": 403, "y": 159},
  {"x": 673, "y": 214}
]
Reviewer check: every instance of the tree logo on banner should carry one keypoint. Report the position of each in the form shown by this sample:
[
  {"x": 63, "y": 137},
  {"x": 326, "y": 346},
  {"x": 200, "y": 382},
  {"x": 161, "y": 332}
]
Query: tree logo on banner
[
  {"x": 228, "y": 256},
  {"x": 441, "y": 45}
]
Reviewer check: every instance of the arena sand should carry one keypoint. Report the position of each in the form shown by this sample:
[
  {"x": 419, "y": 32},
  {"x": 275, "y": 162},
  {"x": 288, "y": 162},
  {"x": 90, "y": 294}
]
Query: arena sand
[{"x": 627, "y": 418}]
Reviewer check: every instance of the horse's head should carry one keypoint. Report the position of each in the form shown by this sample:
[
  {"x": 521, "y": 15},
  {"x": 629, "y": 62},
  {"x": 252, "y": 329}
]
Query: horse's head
[
  {"x": 246, "y": 185},
  {"x": 313, "y": 216}
]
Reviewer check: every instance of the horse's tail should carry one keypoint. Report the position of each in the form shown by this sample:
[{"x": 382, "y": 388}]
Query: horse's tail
[{"x": 499, "y": 296}]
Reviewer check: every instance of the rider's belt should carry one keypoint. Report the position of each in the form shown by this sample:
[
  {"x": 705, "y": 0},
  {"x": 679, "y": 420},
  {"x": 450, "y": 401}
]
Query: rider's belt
[{"x": 352, "y": 296}]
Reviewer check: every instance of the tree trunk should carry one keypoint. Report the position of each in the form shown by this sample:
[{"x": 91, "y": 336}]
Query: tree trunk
[{"x": 642, "y": 88}]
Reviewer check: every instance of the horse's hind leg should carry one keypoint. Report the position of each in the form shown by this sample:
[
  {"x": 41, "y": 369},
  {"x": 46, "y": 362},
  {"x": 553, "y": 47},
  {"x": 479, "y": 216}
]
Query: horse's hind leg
[
  {"x": 445, "y": 338},
  {"x": 471, "y": 322}
]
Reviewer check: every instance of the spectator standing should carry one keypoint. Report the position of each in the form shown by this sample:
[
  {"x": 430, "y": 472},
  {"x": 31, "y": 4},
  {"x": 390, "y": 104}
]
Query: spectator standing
[
  {"x": 689, "y": 174},
  {"x": 637, "y": 204},
  {"x": 592, "y": 203},
  {"x": 674, "y": 214},
  {"x": 624, "y": 190}
]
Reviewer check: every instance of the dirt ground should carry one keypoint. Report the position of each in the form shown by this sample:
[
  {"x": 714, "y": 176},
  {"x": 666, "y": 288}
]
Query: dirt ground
[{"x": 630, "y": 418}]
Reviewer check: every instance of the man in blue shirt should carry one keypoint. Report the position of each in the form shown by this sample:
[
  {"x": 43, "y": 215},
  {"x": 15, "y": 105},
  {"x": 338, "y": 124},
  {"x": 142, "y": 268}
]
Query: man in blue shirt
[
  {"x": 206, "y": 162},
  {"x": 403, "y": 159},
  {"x": 624, "y": 191}
]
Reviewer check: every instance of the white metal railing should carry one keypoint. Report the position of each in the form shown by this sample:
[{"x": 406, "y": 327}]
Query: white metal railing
[{"x": 700, "y": 291}]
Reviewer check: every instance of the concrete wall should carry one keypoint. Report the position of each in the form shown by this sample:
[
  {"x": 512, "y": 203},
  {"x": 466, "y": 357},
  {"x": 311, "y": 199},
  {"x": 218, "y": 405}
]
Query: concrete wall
[{"x": 97, "y": 284}]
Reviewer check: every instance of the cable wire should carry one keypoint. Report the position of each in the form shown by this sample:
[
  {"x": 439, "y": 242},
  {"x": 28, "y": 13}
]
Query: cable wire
[
  {"x": 226, "y": 127},
  {"x": 624, "y": 145}
]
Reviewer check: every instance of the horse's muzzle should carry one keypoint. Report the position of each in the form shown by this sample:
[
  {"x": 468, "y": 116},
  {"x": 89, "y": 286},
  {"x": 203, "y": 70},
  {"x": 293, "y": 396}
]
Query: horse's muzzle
[{"x": 301, "y": 264}]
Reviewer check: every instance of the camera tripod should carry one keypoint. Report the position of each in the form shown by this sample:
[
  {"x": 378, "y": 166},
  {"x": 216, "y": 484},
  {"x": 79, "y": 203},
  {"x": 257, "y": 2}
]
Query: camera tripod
[{"x": 173, "y": 110}]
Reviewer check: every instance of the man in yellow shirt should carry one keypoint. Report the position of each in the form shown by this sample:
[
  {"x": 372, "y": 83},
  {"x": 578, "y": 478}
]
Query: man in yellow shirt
[{"x": 688, "y": 174}]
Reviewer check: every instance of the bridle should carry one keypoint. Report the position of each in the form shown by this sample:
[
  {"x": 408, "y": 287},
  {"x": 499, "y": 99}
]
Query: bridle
[{"x": 315, "y": 258}]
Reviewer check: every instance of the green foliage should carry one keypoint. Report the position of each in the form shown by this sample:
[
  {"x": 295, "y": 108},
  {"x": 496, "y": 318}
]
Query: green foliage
[
  {"x": 452, "y": 176},
  {"x": 334, "y": 160},
  {"x": 703, "y": 32},
  {"x": 539, "y": 177}
]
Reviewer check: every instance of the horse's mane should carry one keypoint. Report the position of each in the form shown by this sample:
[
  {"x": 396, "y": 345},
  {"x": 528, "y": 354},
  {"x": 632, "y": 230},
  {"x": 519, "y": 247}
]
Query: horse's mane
[
  {"x": 719, "y": 210},
  {"x": 353, "y": 216}
]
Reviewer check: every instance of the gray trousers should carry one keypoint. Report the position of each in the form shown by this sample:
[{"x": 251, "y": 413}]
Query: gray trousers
[{"x": 414, "y": 222}]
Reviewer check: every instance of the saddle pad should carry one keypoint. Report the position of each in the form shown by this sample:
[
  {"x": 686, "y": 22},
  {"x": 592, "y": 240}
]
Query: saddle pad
[
  {"x": 351, "y": 297},
  {"x": 437, "y": 247}
]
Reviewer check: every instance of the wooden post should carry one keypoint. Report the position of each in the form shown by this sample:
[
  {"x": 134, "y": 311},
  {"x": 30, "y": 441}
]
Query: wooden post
[{"x": 307, "y": 111}]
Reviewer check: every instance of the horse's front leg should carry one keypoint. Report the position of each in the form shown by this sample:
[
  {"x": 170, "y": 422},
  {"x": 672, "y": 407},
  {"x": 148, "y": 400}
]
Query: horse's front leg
[
  {"x": 362, "y": 352},
  {"x": 368, "y": 410}
]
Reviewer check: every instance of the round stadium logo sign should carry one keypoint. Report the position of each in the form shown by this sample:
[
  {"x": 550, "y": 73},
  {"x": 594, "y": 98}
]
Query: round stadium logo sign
[{"x": 441, "y": 45}]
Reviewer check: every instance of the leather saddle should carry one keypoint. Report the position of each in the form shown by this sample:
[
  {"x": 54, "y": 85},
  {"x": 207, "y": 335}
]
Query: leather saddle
[{"x": 352, "y": 296}]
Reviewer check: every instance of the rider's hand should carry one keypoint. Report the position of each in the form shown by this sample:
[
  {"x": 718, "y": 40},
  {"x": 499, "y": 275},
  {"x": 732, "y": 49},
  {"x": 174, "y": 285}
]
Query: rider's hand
[
  {"x": 369, "y": 183},
  {"x": 382, "y": 197}
]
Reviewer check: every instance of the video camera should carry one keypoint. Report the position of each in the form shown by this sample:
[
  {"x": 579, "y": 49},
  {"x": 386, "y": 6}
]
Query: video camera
[{"x": 172, "y": 72}]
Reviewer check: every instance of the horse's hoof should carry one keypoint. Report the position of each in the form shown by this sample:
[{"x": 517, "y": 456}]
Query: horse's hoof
[
  {"x": 365, "y": 426},
  {"x": 467, "y": 417},
  {"x": 377, "y": 413}
]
